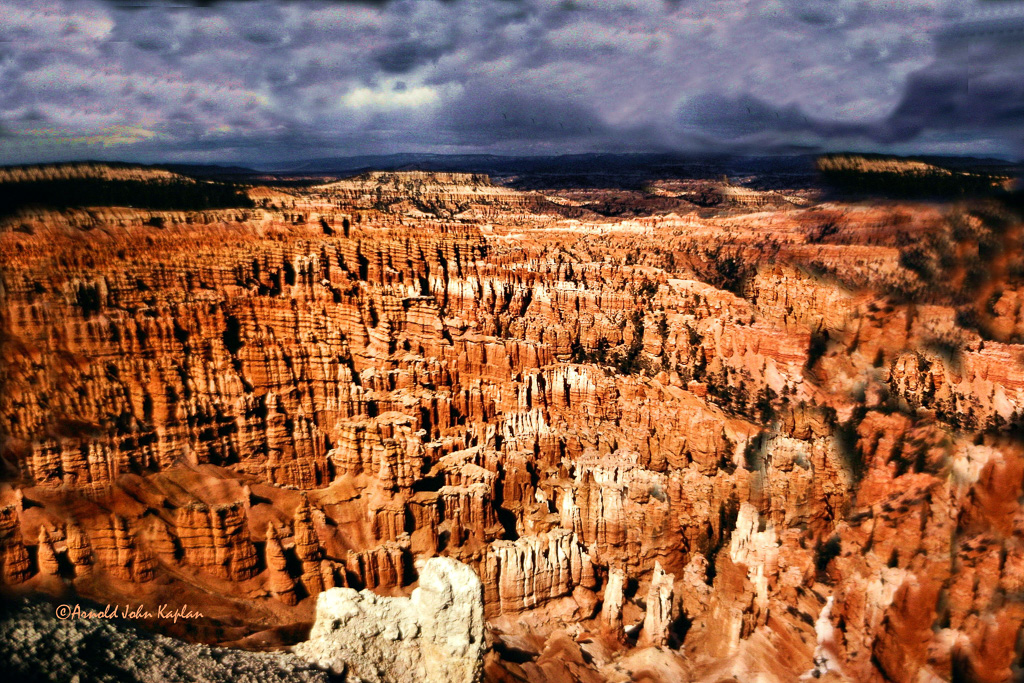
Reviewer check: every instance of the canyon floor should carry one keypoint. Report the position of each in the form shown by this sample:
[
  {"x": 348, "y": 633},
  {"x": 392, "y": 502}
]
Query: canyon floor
[{"x": 701, "y": 429}]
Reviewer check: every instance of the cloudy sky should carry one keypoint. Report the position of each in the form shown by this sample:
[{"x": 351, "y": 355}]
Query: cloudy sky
[{"x": 266, "y": 81}]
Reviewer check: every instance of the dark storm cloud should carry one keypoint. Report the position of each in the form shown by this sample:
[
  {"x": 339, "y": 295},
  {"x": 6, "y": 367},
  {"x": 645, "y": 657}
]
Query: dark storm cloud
[
  {"x": 483, "y": 115},
  {"x": 971, "y": 90},
  {"x": 974, "y": 85},
  {"x": 408, "y": 55},
  {"x": 737, "y": 116},
  {"x": 263, "y": 80},
  {"x": 146, "y": 4}
]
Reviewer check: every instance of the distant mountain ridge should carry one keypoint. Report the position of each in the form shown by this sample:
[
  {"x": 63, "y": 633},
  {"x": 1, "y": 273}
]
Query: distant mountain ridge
[
  {"x": 527, "y": 172},
  {"x": 503, "y": 166},
  {"x": 86, "y": 184},
  {"x": 88, "y": 171},
  {"x": 590, "y": 160}
]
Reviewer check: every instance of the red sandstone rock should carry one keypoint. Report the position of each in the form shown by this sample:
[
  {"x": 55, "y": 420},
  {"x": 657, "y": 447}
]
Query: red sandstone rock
[
  {"x": 279, "y": 582},
  {"x": 216, "y": 539},
  {"x": 79, "y": 549},
  {"x": 522, "y": 574},
  {"x": 16, "y": 563},
  {"x": 46, "y": 555}
]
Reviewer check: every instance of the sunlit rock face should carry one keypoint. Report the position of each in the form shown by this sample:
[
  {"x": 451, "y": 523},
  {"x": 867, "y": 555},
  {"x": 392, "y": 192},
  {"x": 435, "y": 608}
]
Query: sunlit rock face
[
  {"x": 436, "y": 635},
  {"x": 765, "y": 439}
]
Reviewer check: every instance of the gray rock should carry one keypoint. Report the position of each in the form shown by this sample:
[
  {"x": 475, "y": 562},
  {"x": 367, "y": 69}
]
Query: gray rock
[
  {"x": 437, "y": 635},
  {"x": 36, "y": 646}
]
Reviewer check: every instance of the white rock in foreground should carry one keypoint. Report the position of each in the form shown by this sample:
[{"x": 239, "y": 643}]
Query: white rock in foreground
[{"x": 437, "y": 635}]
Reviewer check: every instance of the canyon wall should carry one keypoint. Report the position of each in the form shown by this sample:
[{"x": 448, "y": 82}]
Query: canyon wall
[{"x": 746, "y": 444}]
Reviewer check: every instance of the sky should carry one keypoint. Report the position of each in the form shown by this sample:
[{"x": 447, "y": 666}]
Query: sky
[{"x": 264, "y": 82}]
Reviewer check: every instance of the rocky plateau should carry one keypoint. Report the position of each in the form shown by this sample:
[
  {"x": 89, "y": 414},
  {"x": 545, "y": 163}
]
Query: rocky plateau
[{"x": 732, "y": 434}]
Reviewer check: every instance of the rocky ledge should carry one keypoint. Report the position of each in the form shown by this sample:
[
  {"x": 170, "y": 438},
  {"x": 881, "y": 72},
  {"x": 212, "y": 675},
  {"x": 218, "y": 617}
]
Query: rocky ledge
[
  {"x": 39, "y": 647},
  {"x": 436, "y": 635}
]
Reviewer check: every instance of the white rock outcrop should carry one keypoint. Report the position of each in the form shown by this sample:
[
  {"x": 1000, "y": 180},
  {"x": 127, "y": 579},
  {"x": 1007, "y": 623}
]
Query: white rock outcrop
[
  {"x": 437, "y": 635},
  {"x": 660, "y": 608}
]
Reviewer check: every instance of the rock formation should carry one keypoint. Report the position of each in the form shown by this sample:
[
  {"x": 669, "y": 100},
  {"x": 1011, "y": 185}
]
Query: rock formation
[
  {"x": 660, "y": 608},
  {"x": 436, "y": 635},
  {"x": 79, "y": 549},
  {"x": 524, "y": 574},
  {"x": 16, "y": 565},
  {"x": 749, "y": 433},
  {"x": 216, "y": 539},
  {"x": 307, "y": 549},
  {"x": 279, "y": 582},
  {"x": 46, "y": 555},
  {"x": 611, "y": 600}
]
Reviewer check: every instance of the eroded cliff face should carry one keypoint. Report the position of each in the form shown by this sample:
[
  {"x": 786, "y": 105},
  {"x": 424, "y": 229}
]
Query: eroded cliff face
[{"x": 756, "y": 444}]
